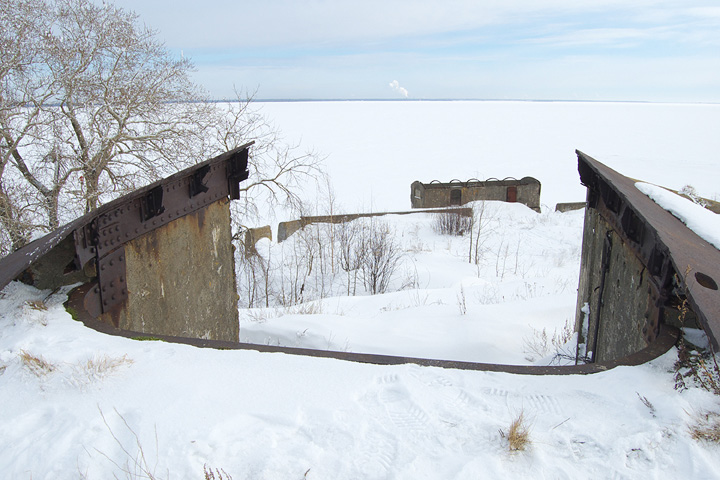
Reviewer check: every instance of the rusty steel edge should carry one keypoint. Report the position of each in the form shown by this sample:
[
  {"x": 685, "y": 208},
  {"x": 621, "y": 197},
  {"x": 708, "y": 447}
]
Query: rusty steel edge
[
  {"x": 667, "y": 338},
  {"x": 14, "y": 264}
]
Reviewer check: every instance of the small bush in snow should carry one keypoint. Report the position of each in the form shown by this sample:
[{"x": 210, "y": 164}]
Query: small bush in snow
[
  {"x": 451, "y": 223},
  {"x": 698, "y": 366},
  {"x": 381, "y": 258},
  {"x": 541, "y": 345},
  {"x": 690, "y": 192},
  {"x": 518, "y": 434}
]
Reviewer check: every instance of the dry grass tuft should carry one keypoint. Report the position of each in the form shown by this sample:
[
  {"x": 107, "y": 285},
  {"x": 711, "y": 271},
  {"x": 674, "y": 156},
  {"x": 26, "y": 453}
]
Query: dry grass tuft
[
  {"x": 101, "y": 366},
  {"x": 540, "y": 344},
  {"x": 309, "y": 308},
  {"x": 38, "y": 305},
  {"x": 518, "y": 435},
  {"x": 706, "y": 427},
  {"x": 36, "y": 363},
  {"x": 210, "y": 474}
]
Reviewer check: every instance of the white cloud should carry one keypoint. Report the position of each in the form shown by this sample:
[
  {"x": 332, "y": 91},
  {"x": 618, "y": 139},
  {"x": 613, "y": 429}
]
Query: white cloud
[
  {"x": 462, "y": 49},
  {"x": 395, "y": 85},
  {"x": 254, "y": 23}
]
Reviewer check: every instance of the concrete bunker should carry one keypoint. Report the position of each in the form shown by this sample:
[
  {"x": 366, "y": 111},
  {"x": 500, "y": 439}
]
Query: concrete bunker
[{"x": 455, "y": 193}]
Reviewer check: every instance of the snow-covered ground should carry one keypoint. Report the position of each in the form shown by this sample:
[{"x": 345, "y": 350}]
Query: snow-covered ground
[
  {"x": 440, "y": 305},
  {"x": 80, "y": 404}
]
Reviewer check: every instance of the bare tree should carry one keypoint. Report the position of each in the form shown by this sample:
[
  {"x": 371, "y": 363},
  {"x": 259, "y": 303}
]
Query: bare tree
[
  {"x": 381, "y": 257},
  {"x": 478, "y": 231},
  {"x": 351, "y": 251},
  {"x": 21, "y": 81},
  {"x": 93, "y": 105}
]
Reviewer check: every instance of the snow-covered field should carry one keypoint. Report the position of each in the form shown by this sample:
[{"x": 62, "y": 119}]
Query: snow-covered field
[
  {"x": 375, "y": 150},
  {"x": 440, "y": 305},
  {"x": 79, "y": 404}
]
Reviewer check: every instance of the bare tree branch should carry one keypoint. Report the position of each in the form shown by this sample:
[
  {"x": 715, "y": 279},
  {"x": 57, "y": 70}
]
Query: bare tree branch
[{"x": 92, "y": 105}]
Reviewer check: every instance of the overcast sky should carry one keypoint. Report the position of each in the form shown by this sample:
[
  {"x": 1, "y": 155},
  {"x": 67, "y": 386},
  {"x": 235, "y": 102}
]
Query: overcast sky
[{"x": 420, "y": 49}]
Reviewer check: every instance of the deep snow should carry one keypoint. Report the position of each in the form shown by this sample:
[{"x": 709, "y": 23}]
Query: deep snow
[
  {"x": 75, "y": 412},
  {"x": 698, "y": 219}
]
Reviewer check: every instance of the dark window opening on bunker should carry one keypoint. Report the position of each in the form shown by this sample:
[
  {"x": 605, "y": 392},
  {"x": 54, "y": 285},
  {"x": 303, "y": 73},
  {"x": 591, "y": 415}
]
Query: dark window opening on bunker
[{"x": 456, "y": 197}]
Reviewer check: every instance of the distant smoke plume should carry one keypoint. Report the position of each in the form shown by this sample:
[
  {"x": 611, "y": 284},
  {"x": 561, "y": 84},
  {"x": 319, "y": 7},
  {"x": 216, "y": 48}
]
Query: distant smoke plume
[{"x": 395, "y": 85}]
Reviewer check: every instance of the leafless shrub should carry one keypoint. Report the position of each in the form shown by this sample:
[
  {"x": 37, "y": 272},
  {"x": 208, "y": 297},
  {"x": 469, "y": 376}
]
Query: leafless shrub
[
  {"x": 135, "y": 464},
  {"x": 478, "y": 232},
  {"x": 410, "y": 279},
  {"x": 318, "y": 259},
  {"x": 690, "y": 192},
  {"x": 381, "y": 258},
  {"x": 462, "y": 305},
  {"x": 93, "y": 105},
  {"x": 697, "y": 366},
  {"x": 451, "y": 223},
  {"x": 351, "y": 252},
  {"x": 299, "y": 260},
  {"x": 255, "y": 275},
  {"x": 501, "y": 257},
  {"x": 541, "y": 344}
]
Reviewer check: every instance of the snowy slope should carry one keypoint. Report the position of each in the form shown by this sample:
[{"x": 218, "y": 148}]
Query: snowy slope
[{"x": 276, "y": 416}]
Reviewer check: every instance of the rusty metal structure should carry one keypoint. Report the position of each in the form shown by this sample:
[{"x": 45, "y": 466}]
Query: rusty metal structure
[
  {"x": 642, "y": 268},
  {"x": 144, "y": 227},
  {"x": 164, "y": 251}
]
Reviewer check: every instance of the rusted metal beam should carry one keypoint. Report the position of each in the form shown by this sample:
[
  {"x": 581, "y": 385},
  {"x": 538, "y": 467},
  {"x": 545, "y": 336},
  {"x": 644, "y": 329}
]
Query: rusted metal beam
[{"x": 665, "y": 340}]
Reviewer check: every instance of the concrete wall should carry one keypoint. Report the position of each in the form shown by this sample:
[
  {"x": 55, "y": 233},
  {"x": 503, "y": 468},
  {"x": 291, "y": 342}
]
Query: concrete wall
[
  {"x": 614, "y": 285},
  {"x": 569, "y": 207},
  {"x": 181, "y": 279},
  {"x": 252, "y": 235},
  {"x": 436, "y": 195},
  {"x": 285, "y": 229}
]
